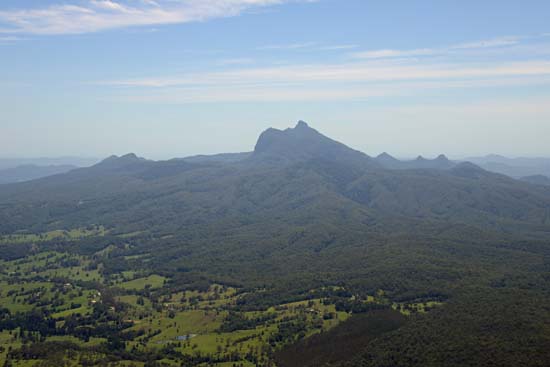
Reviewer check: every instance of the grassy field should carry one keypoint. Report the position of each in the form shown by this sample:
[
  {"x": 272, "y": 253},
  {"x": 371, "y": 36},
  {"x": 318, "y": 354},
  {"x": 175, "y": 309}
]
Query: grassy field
[
  {"x": 204, "y": 325},
  {"x": 52, "y": 235},
  {"x": 152, "y": 281}
]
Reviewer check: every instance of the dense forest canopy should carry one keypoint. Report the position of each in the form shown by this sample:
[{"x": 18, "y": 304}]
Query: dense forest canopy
[{"x": 448, "y": 264}]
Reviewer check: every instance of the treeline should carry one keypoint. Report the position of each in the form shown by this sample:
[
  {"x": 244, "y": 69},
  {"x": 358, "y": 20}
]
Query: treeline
[
  {"x": 56, "y": 353},
  {"x": 342, "y": 342},
  {"x": 238, "y": 321},
  {"x": 102, "y": 322},
  {"x": 354, "y": 305}
]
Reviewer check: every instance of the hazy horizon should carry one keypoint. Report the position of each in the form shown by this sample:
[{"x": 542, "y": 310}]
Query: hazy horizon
[
  {"x": 170, "y": 79},
  {"x": 251, "y": 148},
  {"x": 134, "y": 234}
]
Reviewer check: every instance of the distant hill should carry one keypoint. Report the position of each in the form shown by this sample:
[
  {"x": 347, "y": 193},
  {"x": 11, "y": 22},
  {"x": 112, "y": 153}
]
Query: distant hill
[
  {"x": 42, "y": 162},
  {"x": 289, "y": 170},
  {"x": 389, "y": 162},
  {"x": 513, "y": 167},
  {"x": 224, "y": 157},
  {"x": 31, "y": 172},
  {"x": 537, "y": 180},
  {"x": 304, "y": 212}
]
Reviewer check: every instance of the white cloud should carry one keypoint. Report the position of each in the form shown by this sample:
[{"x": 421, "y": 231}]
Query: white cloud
[
  {"x": 328, "y": 82},
  {"x": 109, "y": 5},
  {"x": 289, "y": 46},
  {"x": 483, "y": 44},
  {"x": 343, "y": 73},
  {"x": 237, "y": 61},
  {"x": 383, "y": 54},
  {"x": 372, "y": 73},
  {"x": 305, "y": 92},
  {"x": 98, "y": 15},
  {"x": 495, "y": 42},
  {"x": 309, "y": 46},
  {"x": 10, "y": 39},
  {"x": 337, "y": 47}
]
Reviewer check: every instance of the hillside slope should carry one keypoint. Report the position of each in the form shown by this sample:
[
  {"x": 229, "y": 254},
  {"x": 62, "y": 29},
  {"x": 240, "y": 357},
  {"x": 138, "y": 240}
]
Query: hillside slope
[{"x": 302, "y": 212}]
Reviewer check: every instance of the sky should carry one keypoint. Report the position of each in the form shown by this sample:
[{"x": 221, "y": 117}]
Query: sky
[{"x": 172, "y": 78}]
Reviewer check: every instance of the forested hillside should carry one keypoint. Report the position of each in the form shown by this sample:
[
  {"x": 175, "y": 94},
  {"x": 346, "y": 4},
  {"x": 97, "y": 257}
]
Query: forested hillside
[{"x": 439, "y": 263}]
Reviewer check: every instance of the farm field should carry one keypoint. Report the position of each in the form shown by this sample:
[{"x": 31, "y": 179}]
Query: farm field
[
  {"x": 301, "y": 253},
  {"x": 64, "y": 308}
]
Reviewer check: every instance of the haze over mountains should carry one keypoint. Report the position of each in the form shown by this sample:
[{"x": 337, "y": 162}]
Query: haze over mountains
[
  {"x": 31, "y": 172},
  {"x": 318, "y": 165},
  {"x": 407, "y": 226},
  {"x": 44, "y": 161},
  {"x": 303, "y": 212},
  {"x": 26, "y": 169},
  {"x": 514, "y": 167},
  {"x": 533, "y": 170}
]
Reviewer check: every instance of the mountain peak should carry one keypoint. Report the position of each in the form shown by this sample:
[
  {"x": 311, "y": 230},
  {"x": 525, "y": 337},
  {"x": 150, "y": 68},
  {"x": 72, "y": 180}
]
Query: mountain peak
[
  {"x": 288, "y": 140},
  {"x": 385, "y": 157},
  {"x": 125, "y": 157},
  {"x": 388, "y": 161},
  {"x": 130, "y": 156},
  {"x": 469, "y": 170},
  {"x": 115, "y": 161},
  {"x": 302, "y": 143}
]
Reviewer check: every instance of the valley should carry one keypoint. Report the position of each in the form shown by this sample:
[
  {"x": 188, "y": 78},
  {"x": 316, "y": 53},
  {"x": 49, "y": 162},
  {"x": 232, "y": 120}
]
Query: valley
[
  {"x": 302, "y": 253},
  {"x": 62, "y": 309},
  {"x": 274, "y": 183}
]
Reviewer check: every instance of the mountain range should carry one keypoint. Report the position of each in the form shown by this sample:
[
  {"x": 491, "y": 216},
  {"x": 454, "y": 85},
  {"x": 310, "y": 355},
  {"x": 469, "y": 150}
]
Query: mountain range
[
  {"x": 513, "y": 167},
  {"x": 532, "y": 170},
  {"x": 14, "y": 170},
  {"x": 31, "y": 172},
  {"x": 303, "y": 211},
  {"x": 381, "y": 185},
  {"x": 45, "y": 161}
]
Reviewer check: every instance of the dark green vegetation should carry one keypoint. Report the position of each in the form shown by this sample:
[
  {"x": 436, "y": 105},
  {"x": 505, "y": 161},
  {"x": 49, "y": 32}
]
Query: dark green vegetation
[
  {"x": 62, "y": 309},
  {"x": 244, "y": 256},
  {"x": 342, "y": 342}
]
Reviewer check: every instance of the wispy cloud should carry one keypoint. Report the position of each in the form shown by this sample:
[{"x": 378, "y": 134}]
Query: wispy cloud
[
  {"x": 329, "y": 81},
  {"x": 10, "y": 39},
  {"x": 378, "y": 73},
  {"x": 388, "y": 53},
  {"x": 495, "y": 42},
  {"x": 309, "y": 92},
  {"x": 483, "y": 44},
  {"x": 307, "y": 46},
  {"x": 237, "y": 61},
  {"x": 79, "y": 16},
  {"x": 288, "y": 46},
  {"x": 337, "y": 47},
  {"x": 351, "y": 72}
]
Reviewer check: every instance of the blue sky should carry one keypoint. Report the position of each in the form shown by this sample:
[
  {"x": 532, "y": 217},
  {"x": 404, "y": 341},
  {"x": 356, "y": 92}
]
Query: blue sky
[{"x": 170, "y": 78}]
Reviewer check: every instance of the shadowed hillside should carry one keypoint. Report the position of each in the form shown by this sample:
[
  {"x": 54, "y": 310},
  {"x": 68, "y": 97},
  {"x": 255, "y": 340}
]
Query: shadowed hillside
[{"x": 304, "y": 212}]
